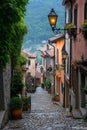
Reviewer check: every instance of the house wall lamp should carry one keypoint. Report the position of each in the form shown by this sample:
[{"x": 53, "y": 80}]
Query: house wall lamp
[
  {"x": 69, "y": 27},
  {"x": 64, "y": 54},
  {"x": 52, "y": 17}
]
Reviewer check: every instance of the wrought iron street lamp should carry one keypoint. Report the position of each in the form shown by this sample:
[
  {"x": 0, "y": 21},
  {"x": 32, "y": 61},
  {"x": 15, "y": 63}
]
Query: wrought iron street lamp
[{"x": 52, "y": 17}]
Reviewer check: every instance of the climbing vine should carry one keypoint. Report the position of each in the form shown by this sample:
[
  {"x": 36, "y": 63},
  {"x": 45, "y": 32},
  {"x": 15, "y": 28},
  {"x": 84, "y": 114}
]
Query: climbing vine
[{"x": 12, "y": 30}]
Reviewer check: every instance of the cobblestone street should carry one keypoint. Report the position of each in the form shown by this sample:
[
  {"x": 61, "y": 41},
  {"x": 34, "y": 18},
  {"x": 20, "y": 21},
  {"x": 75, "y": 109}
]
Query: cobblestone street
[{"x": 45, "y": 115}]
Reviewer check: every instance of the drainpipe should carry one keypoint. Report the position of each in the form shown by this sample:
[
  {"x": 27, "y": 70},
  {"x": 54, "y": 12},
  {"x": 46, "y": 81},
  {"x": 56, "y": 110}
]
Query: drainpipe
[{"x": 70, "y": 55}]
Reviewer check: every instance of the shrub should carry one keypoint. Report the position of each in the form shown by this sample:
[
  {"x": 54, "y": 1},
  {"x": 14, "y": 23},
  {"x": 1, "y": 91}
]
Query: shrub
[
  {"x": 69, "y": 26},
  {"x": 84, "y": 25},
  {"x": 54, "y": 95},
  {"x": 26, "y": 100},
  {"x": 48, "y": 83},
  {"x": 22, "y": 60},
  {"x": 42, "y": 85},
  {"x": 15, "y": 103},
  {"x": 17, "y": 83}
]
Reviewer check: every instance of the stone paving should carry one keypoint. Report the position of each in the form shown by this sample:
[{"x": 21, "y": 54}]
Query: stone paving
[{"x": 45, "y": 115}]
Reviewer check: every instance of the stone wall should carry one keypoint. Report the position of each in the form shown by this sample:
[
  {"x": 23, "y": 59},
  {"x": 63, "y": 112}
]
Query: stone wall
[
  {"x": 6, "y": 84},
  {"x": 1, "y": 91}
]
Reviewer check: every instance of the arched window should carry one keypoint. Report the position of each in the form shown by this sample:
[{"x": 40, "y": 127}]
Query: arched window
[{"x": 85, "y": 10}]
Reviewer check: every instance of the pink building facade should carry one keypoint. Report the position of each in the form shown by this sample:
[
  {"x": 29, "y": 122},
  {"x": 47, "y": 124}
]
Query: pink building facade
[
  {"x": 76, "y": 77},
  {"x": 79, "y": 46}
]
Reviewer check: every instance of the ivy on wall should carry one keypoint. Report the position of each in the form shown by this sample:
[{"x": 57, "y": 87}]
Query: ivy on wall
[{"x": 12, "y": 30}]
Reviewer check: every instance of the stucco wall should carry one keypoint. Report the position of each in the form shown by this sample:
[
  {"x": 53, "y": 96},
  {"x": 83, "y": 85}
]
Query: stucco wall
[
  {"x": 32, "y": 67},
  {"x": 5, "y": 81},
  {"x": 79, "y": 46}
]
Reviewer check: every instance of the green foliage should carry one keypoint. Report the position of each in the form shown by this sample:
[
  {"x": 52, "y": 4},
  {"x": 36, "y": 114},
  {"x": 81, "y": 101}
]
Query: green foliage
[
  {"x": 84, "y": 25},
  {"x": 69, "y": 26},
  {"x": 26, "y": 100},
  {"x": 22, "y": 60},
  {"x": 17, "y": 83},
  {"x": 48, "y": 82},
  {"x": 12, "y": 29},
  {"x": 18, "y": 32},
  {"x": 42, "y": 85},
  {"x": 15, "y": 103},
  {"x": 77, "y": 61},
  {"x": 54, "y": 95}
]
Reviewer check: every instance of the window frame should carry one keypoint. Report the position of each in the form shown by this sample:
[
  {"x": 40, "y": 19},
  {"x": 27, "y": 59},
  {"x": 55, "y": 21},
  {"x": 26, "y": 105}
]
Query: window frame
[{"x": 85, "y": 10}]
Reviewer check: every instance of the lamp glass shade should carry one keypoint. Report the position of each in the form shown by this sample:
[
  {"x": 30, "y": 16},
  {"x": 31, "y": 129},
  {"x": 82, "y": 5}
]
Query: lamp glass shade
[
  {"x": 52, "y": 17},
  {"x": 64, "y": 54}
]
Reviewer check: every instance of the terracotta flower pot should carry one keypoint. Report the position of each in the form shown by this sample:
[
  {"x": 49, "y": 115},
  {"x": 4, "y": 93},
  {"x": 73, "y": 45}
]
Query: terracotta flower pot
[
  {"x": 25, "y": 107},
  {"x": 16, "y": 114}
]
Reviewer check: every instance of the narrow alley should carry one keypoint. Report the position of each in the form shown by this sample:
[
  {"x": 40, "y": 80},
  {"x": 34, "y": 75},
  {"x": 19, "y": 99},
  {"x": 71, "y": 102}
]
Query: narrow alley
[{"x": 45, "y": 115}]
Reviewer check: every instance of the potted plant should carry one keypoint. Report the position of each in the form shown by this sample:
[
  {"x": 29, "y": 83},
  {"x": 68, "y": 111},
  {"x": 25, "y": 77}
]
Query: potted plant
[
  {"x": 48, "y": 83},
  {"x": 16, "y": 108},
  {"x": 49, "y": 90},
  {"x": 85, "y": 90},
  {"x": 42, "y": 85},
  {"x": 71, "y": 29},
  {"x": 54, "y": 97},
  {"x": 84, "y": 29},
  {"x": 26, "y": 103}
]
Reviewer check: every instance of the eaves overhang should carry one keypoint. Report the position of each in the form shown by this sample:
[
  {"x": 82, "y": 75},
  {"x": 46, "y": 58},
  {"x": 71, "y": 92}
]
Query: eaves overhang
[{"x": 56, "y": 38}]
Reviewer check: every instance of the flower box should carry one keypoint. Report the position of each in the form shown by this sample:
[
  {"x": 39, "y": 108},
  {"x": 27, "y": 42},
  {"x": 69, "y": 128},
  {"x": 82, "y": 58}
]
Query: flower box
[{"x": 71, "y": 29}]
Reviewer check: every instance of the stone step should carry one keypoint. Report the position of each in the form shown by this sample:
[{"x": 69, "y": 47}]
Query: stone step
[
  {"x": 76, "y": 114},
  {"x": 79, "y": 128}
]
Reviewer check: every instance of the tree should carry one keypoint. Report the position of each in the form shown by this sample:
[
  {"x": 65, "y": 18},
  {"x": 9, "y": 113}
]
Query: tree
[
  {"x": 18, "y": 31},
  {"x": 22, "y": 60}
]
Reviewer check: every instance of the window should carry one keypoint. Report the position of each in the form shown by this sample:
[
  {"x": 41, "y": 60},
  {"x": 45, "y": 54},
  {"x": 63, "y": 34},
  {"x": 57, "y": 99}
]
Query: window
[
  {"x": 85, "y": 10},
  {"x": 69, "y": 16},
  {"x": 75, "y": 15},
  {"x": 28, "y": 62}
]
